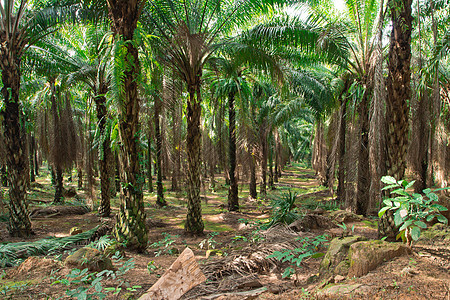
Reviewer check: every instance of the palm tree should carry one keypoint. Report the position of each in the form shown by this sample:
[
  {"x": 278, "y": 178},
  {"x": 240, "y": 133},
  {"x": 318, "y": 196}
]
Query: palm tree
[
  {"x": 21, "y": 25},
  {"x": 130, "y": 228},
  {"x": 190, "y": 31},
  {"x": 398, "y": 95}
]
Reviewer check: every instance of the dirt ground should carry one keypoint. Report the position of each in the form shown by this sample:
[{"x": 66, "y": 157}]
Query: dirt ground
[{"x": 234, "y": 270}]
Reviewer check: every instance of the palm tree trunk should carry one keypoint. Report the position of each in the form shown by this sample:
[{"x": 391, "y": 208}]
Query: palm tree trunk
[
  {"x": 252, "y": 185},
  {"x": 194, "y": 223},
  {"x": 105, "y": 154},
  {"x": 363, "y": 183},
  {"x": 31, "y": 158},
  {"x": 159, "y": 178},
  {"x": 264, "y": 154},
  {"x": 398, "y": 95},
  {"x": 16, "y": 160},
  {"x": 341, "y": 159},
  {"x": 233, "y": 197},
  {"x": 59, "y": 196},
  {"x": 176, "y": 142},
  {"x": 149, "y": 157},
  {"x": 130, "y": 228},
  {"x": 271, "y": 175},
  {"x": 4, "y": 175}
]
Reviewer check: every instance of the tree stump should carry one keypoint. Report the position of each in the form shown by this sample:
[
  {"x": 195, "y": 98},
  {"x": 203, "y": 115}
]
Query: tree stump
[{"x": 183, "y": 275}]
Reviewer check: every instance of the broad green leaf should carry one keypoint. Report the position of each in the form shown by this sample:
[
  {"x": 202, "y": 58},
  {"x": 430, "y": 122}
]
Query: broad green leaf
[
  {"x": 387, "y": 202},
  {"x": 382, "y": 211},
  {"x": 391, "y": 186},
  {"x": 442, "y": 219},
  {"x": 397, "y": 218},
  {"x": 416, "y": 195},
  {"x": 426, "y": 191},
  {"x": 439, "y": 207},
  {"x": 415, "y": 233},
  {"x": 400, "y": 192},
  {"x": 433, "y": 197},
  {"x": 430, "y": 217},
  {"x": 409, "y": 185},
  {"x": 420, "y": 224},
  {"x": 388, "y": 180}
]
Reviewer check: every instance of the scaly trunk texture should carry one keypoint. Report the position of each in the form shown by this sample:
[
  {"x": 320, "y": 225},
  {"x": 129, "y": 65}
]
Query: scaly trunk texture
[
  {"x": 19, "y": 224},
  {"x": 270, "y": 150},
  {"x": 194, "y": 223},
  {"x": 59, "y": 196},
  {"x": 341, "y": 159},
  {"x": 264, "y": 154},
  {"x": 31, "y": 157},
  {"x": 80, "y": 177},
  {"x": 233, "y": 197},
  {"x": 130, "y": 229},
  {"x": 252, "y": 185},
  {"x": 362, "y": 194},
  {"x": 398, "y": 95},
  {"x": 106, "y": 156},
  {"x": 149, "y": 158},
  {"x": 159, "y": 178},
  {"x": 176, "y": 140}
]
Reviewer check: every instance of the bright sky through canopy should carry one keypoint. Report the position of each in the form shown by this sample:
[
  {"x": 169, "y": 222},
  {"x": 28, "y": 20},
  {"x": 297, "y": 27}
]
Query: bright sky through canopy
[{"x": 339, "y": 4}]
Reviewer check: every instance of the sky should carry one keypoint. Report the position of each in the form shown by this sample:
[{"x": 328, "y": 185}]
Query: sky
[{"x": 339, "y": 4}]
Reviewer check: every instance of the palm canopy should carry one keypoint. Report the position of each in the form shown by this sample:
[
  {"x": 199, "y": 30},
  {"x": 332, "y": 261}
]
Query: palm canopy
[{"x": 190, "y": 31}]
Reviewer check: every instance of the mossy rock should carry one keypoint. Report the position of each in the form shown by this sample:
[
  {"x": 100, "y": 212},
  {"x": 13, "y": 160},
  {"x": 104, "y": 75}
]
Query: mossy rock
[
  {"x": 366, "y": 256},
  {"x": 343, "y": 216},
  {"x": 90, "y": 258},
  {"x": 335, "y": 261}
]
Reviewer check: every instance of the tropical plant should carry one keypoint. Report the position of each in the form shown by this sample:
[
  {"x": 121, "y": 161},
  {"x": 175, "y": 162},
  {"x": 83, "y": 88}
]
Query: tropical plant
[
  {"x": 189, "y": 32},
  {"x": 296, "y": 256},
  {"x": 22, "y": 24},
  {"x": 283, "y": 210},
  {"x": 130, "y": 229},
  {"x": 411, "y": 210}
]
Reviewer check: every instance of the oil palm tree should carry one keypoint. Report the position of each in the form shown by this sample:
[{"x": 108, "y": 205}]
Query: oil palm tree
[
  {"x": 350, "y": 45},
  {"x": 190, "y": 31},
  {"x": 22, "y": 23},
  {"x": 398, "y": 95},
  {"x": 130, "y": 228}
]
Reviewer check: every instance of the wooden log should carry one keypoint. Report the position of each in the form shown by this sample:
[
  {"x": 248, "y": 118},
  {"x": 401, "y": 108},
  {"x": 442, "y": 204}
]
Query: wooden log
[
  {"x": 183, "y": 275},
  {"x": 242, "y": 295}
]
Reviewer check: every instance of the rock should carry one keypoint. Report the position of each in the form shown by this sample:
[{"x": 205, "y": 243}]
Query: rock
[
  {"x": 335, "y": 261},
  {"x": 338, "y": 278},
  {"x": 311, "y": 221},
  {"x": 75, "y": 230},
  {"x": 213, "y": 252},
  {"x": 340, "y": 289},
  {"x": 366, "y": 256},
  {"x": 89, "y": 258},
  {"x": 343, "y": 216},
  {"x": 183, "y": 275}
]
